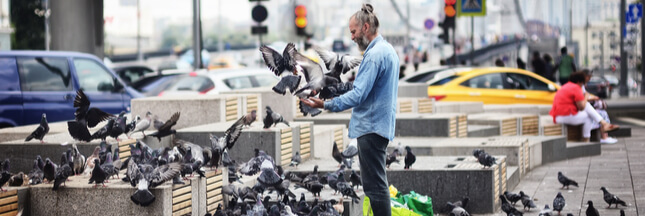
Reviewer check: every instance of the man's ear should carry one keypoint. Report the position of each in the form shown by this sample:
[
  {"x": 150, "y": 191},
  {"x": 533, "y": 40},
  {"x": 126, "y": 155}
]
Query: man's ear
[{"x": 366, "y": 27}]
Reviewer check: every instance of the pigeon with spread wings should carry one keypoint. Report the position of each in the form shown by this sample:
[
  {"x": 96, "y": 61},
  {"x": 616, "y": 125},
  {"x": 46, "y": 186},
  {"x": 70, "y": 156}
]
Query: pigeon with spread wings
[
  {"x": 165, "y": 129},
  {"x": 337, "y": 64},
  {"x": 280, "y": 63},
  {"x": 84, "y": 117}
]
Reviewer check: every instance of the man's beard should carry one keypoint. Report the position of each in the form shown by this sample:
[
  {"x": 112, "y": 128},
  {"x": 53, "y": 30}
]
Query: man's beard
[{"x": 362, "y": 42}]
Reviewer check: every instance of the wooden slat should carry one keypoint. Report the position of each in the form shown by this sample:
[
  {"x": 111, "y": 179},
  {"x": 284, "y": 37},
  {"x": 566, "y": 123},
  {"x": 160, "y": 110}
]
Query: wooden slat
[
  {"x": 8, "y": 200},
  {"x": 215, "y": 179},
  {"x": 305, "y": 155},
  {"x": 286, "y": 141},
  {"x": 178, "y": 206},
  {"x": 11, "y": 213},
  {"x": 286, "y": 135},
  {"x": 285, "y": 157},
  {"x": 181, "y": 198},
  {"x": 214, "y": 199},
  {"x": 213, "y": 207},
  {"x": 287, "y": 152},
  {"x": 305, "y": 140},
  {"x": 285, "y": 162},
  {"x": 182, "y": 212},
  {"x": 8, "y": 193},
  {"x": 181, "y": 191},
  {"x": 213, "y": 193},
  {"x": 10, "y": 207},
  {"x": 305, "y": 146},
  {"x": 214, "y": 186}
]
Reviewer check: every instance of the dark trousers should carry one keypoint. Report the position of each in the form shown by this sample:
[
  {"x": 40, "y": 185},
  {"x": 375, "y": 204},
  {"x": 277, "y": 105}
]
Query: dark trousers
[{"x": 372, "y": 150}]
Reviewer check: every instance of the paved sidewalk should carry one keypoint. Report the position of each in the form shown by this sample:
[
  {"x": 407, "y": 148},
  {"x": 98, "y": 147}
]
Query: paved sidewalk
[{"x": 620, "y": 168}]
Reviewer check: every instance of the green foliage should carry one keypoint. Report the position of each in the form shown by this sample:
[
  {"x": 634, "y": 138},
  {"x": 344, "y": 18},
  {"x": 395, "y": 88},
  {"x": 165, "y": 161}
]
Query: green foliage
[{"x": 29, "y": 28}]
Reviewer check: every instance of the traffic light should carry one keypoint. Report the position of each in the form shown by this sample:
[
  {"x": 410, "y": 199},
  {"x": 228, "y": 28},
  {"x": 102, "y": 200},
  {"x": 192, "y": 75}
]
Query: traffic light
[
  {"x": 451, "y": 12},
  {"x": 445, "y": 35},
  {"x": 301, "y": 20}
]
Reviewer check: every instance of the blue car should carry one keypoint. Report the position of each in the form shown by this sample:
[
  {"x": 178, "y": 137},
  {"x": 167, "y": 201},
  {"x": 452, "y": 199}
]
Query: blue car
[{"x": 37, "y": 82}]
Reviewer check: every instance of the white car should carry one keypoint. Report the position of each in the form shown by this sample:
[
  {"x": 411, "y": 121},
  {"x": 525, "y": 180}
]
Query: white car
[
  {"x": 221, "y": 80},
  {"x": 426, "y": 75}
]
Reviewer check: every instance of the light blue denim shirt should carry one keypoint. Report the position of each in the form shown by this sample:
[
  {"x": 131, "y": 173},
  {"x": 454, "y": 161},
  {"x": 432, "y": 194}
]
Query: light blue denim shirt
[{"x": 375, "y": 91}]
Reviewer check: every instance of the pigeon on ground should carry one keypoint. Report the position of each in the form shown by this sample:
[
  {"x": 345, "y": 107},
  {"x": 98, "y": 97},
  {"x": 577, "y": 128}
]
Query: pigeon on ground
[
  {"x": 410, "y": 158},
  {"x": 268, "y": 177},
  {"x": 622, "y": 212},
  {"x": 458, "y": 211},
  {"x": 98, "y": 174},
  {"x": 527, "y": 201},
  {"x": 391, "y": 158},
  {"x": 17, "y": 179},
  {"x": 346, "y": 189},
  {"x": 281, "y": 63},
  {"x": 49, "y": 171},
  {"x": 512, "y": 197},
  {"x": 558, "y": 203},
  {"x": 484, "y": 158},
  {"x": 85, "y": 117},
  {"x": 296, "y": 159},
  {"x": 351, "y": 150},
  {"x": 153, "y": 177},
  {"x": 355, "y": 179},
  {"x": 335, "y": 153},
  {"x": 63, "y": 172},
  {"x": 611, "y": 198},
  {"x": 506, "y": 206},
  {"x": 89, "y": 162},
  {"x": 337, "y": 64},
  {"x": 119, "y": 126},
  {"x": 132, "y": 173},
  {"x": 142, "y": 124},
  {"x": 36, "y": 174},
  {"x": 591, "y": 210},
  {"x": 546, "y": 211},
  {"x": 41, "y": 162},
  {"x": 131, "y": 126},
  {"x": 216, "y": 149},
  {"x": 273, "y": 118},
  {"x": 79, "y": 160},
  {"x": 166, "y": 128},
  {"x": 462, "y": 203},
  {"x": 40, "y": 131},
  {"x": 117, "y": 163},
  {"x": 566, "y": 181}
]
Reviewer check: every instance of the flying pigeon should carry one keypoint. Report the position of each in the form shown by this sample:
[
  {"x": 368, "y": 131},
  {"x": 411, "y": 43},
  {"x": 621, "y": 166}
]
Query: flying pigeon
[
  {"x": 351, "y": 150},
  {"x": 40, "y": 131},
  {"x": 232, "y": 133},
  {"x": 337, "y": 64},
  {"x": 268, "y": 177},
  {"x": 281, "y": 63},
  {"x": 273, "y": 118},
  {"x": 611, "y": 198},
  {"x": 85, "y": 117},
  {"x": 410, "y": 158},
  {"x": 591, "y": 210},
  {"x": 142, "y": 125},
  {"x": 558, "y": 203},
  {"x": 566, "y": 181},
  {"x": 165, "y": 129},
  {"x": 314, "y": 76}
]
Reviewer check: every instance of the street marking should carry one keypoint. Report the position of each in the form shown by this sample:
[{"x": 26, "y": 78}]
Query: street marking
[{"x": 632, "y": 121}]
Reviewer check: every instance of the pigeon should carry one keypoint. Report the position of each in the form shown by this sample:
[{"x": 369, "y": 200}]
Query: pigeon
[
  {"x": 410, "y": 158},
  {"x": 273, "y": 118},
  {"x": 558, "y": 203},
  {"x": 142, "y": 124},
  {"x": 119, "y": 126},
  {"x": 89, "y": 162},
  {"x": 289, "y": 82},
  {"x": 40, "y": 131},
  {"x": 4, "y": 173},
  {"x": 216, "y": 149},
  {"x": 99, "y": 175},
  {"x": 355, "y": 179},
  {"x": 332, "y": 91},
  {"x": 280, "y": 63},
  {"x": 546, "y": 211},
  {"x": 132, "y": 173},
  {"x": 591, "y": 210},
  {"x": 461, "y": 203},
  {"x": 85, "y": 117},
  {"x": 269, "y": 177},
  {"x": 391, "y": 158},
  {"x": 117, "y": 163},
  {"x": 345, "y": 188},
  {"x": 165, "y": 129},
  {"x": 17, "y": 179},
  {"x": 230, "y": 190},
  {"x": 79, "y": 160},
  {"x": 307, "y": 110},
  {"x": 150, "y": 178},
  {"x": 249, "y": 118},
  {"x": 335, "y": 153},
  {"x": 512, "y": 197},
  {"x": 337, "y": 64},
  {"x": 232, "y": 133},
  {"x": 527, "y": 201},
  {"x": 105, "y": 148},
  {"x": 332, "y": 180},
  {"x": 226, "y": 160},
  {"x": 351, "y": 150},
  {"x": 41, "y": 163},
  {"x": 622, "y": 212},
  {"x": 104, "y": 132},
  {"x": 506, "y": 206},
  {"x": 130, "y": 126},
  {"x": 484, "y": 158},
  {"x": 314, "y": 75},
  {"x": 63, "y": 172},
  {"x": 296, "y": 159},
  {"x": 49, "y": 171},
  {"x": 611, "y": 198},
  {"x": 566, "y": 181},
  {"x": 35, "y": 175},
  {"x": 156, "y": 123}
]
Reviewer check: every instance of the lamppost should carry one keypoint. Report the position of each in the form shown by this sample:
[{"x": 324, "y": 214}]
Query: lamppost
[{"x": 45, "y": 13}]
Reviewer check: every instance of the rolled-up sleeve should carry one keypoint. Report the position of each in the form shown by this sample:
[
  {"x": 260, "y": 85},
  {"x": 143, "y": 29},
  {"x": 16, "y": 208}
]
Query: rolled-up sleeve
[{"x": 367, "y": 74}]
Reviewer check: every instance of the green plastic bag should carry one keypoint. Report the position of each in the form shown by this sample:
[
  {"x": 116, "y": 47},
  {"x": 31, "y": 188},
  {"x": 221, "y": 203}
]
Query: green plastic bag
[
  {"x": 421, "y": 204},
  {"x": 398, "y": 209}
]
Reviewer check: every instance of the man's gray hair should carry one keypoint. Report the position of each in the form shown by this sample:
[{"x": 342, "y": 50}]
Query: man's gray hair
[{"x": 366, "y": 15}]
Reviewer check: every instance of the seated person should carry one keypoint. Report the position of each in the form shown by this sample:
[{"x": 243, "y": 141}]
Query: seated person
[{"x": 570, "y": 107}]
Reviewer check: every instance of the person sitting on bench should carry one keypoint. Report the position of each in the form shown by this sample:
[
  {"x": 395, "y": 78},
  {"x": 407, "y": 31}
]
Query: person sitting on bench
[{"x": 570, "y": 107}]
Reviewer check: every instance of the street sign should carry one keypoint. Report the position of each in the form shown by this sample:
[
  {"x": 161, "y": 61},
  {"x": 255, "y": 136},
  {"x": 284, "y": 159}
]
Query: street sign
[
  {"x": 471, "y": 7},
  {"x": 633, "y": 13},
  {"x": 259, "y": 13},
  {"x": 429, "y": 23},
  {"x": 259, "y": 30}
]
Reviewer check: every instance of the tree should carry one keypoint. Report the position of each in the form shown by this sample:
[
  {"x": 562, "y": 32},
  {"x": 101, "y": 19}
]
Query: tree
[{"x": 29, "y": 28}]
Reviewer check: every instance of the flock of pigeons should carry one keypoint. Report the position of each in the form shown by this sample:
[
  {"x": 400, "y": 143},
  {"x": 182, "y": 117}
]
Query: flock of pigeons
[{"x": 291, "y": 66}]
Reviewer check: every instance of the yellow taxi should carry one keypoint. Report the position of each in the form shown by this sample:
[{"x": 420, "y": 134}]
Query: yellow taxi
[{"x": 494, "y": 85}]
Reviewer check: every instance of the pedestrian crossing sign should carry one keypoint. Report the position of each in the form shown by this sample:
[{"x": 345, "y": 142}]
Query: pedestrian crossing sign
[{"x": 471, "y": 7}]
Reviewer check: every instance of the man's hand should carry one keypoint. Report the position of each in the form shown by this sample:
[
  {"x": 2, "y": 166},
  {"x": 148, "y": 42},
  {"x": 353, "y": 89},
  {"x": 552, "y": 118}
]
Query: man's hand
[{"x": 313, "y": 102}]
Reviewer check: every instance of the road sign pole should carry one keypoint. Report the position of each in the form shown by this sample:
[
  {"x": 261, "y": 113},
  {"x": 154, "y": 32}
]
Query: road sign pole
[
  {"x": 642, "y": 56},
  {"x": 623, "y": 56}
]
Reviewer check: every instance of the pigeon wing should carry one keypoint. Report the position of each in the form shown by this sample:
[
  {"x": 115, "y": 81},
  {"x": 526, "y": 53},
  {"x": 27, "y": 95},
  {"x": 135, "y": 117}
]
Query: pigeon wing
[
  {"x": 233, "y": 133},
  {"x": 171, "y": 122},
  {"x": 96, "y": 115},
  {"x": 164, "y": 173},
  {"x": 272, "y": 59},
  {"x": 327, "y": 56},
  {"x": 311, "y": 69}
]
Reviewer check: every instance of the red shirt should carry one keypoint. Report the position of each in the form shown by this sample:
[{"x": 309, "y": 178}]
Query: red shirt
[{"x": 564, "y": 102}]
